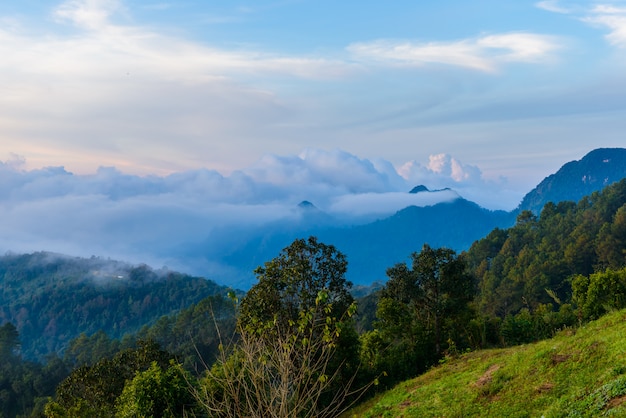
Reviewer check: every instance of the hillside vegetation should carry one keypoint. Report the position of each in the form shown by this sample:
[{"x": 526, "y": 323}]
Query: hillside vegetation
[
  {"x": 52, "y": 299},
  {"x": 578, "y": 373}
]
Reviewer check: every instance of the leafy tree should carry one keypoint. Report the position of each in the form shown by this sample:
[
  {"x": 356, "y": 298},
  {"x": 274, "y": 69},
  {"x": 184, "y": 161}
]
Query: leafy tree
[
  {"x": 93, "y": 390},
  {"x": 291, "y": 282},
  {"x": 600, "y": 292},
  {"x": 157, "y": 392},
  {"x": 298, "y": 351},
  {"x": 88, "y": 350},
  {"x": 420, "y": 309},
  {"x": 517, "y": 266},
  {"x": 611, "y": 241},
  {"x": 518, "y": 329},
  {"x": 439, "y": 289},
  {"x": 23, "y": 384},
  {"x": 193, "y": 334}
]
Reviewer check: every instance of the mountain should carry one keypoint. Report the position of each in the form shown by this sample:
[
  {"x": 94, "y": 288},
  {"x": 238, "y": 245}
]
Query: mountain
[
  {"x": 373, "y": 247},
  {"x": 596, "y": 170},
  {"x": 51, "y": 298}
]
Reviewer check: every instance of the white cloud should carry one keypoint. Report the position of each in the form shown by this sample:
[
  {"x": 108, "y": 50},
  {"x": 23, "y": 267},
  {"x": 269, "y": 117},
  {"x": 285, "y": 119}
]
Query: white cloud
[
  {"x": 88, "y": 14},
  {"x": 486, "y": 53},
  {"x": 387, "y": 203},
  {"x": 612, "y": 18},
  {"x": 553, "y": 6},
  {"x": 603, "y": 15},
  {"x": 440, "y": 170},
  {"x": 146, "y": 50}
]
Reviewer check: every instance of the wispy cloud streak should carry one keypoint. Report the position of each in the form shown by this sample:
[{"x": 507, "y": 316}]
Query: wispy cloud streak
[{"x": 487, "y": 53}]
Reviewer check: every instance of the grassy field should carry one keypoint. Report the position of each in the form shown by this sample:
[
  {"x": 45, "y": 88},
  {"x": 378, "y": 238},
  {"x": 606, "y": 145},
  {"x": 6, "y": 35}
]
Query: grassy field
[{"x": 579, "y": 373}]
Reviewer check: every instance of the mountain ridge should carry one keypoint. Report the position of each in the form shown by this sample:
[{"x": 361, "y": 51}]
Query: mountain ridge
[
  {"x": 575, "y": 179},
  {"x": 375, "y": 245}
]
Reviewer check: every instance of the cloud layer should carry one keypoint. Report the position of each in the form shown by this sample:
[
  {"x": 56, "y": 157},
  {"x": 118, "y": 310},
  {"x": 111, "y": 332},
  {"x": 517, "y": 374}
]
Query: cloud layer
[{"x": 152, "y": 219}]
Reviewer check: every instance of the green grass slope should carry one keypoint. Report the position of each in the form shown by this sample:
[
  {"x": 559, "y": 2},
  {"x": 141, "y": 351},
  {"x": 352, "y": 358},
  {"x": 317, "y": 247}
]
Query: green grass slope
[{"x": 578, "y": 373}]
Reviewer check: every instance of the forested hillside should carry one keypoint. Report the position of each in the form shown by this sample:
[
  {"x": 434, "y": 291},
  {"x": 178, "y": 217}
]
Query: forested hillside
[
  {"x": 51, "y": 299},
  {"x": 532, "y": 263},
  {"x": 515, "y": 286}
]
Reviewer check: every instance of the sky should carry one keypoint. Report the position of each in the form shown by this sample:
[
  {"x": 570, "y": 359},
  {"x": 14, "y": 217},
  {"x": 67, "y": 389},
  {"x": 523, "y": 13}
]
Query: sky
[{"x": 255, "y": 105}]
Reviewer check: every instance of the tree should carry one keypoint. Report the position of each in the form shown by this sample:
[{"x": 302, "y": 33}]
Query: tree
[
  {"x": 439, "y": 288},
  {"x": 421, "y": 310},
  {"x": 599, "y": 292},
  {"x": 157, "y": 392},
  {"x": 93, "y": 390},
  {"x": 9, "y": 341},
  {"x": 297, "y": 354},
  {"x": 290, "y": 283}
]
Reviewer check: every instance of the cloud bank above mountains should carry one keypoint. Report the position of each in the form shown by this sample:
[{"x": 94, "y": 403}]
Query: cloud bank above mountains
[{"x": 148, "y": 219}]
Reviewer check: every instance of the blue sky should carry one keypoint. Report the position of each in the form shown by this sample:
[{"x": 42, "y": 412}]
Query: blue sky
[{"x": 492, "y": 94}]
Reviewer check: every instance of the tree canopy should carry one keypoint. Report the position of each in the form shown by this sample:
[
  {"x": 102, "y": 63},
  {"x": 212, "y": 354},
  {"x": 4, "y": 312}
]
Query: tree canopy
[{"x": 298, "y": 349}]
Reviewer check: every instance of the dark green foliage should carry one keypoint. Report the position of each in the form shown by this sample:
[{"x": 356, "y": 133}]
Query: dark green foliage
[
  {"x": 157, "y": 392},
  {"x": 93, "y": 390},
  {"x": 518, "y": 329},
  {"x": 9, "y": 341},
  {"x": 53, "y": 299},
  {"x": 422, "y": 311},
  {"x": 366, "y": 313},
  {"x": 290, "y": 283},
  {"x": 438, "y": 288},
  {"x": 531, "y": 263},
  {"x": 24, "y": 385},
  {"x": 600, "y": 292},
  {"x": 194, "y": 334},
  {"x": 88, "y": 350}
]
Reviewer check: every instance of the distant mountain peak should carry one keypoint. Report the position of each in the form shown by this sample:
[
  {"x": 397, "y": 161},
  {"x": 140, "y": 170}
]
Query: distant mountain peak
[
  {"x": 306, "y": 205},
  {"x": 576, "y": 179},
  {"x": 419, "y": 189}
]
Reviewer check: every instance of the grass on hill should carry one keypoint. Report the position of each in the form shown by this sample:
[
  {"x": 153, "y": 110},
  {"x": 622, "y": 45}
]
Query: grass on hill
[{"x": 578, "y": 373}]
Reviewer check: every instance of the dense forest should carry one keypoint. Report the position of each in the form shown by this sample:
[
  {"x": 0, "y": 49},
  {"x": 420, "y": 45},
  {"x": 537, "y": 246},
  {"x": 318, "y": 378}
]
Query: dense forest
[
  {"x": 49, "y": 297},
  {"x": 297, "y": 341}
]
